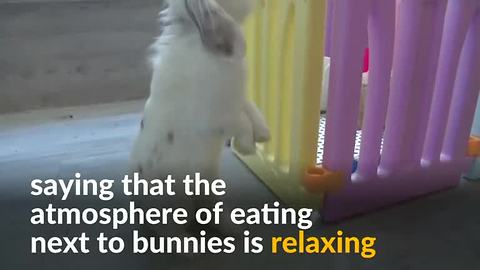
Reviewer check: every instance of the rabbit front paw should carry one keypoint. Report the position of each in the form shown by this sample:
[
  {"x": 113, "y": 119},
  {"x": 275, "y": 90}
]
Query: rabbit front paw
[
  {"x": 261, "y": 133},
  {"x": 245, "y": 145}
]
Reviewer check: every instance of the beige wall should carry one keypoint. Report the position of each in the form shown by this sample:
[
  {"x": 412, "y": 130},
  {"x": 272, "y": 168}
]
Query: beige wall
[{"x": 74, "y": 52}]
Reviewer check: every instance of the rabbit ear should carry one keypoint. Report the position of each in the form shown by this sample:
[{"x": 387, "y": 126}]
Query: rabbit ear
[{"x": 218, "y": 31}]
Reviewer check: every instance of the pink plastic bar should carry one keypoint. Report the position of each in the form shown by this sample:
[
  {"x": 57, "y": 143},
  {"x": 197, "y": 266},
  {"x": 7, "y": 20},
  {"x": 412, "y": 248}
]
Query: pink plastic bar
[
  {"x": 363, "y": 197},
  {"x": 381, "y": 28},
  {"x": 455, "y": 31},
  {"x": 428, "y": 60},
  {"x": 406, "y": 115},
  {"x": 349, "y": 39},
  {"x": 465, "y": 95},
  {"x": 329, "y": 28},
  {"x": 396, "y": 151}
]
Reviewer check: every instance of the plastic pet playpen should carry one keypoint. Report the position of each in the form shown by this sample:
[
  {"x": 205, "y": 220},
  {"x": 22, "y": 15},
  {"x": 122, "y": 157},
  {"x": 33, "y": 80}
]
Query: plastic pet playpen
[{"x": 423, "y": 86}]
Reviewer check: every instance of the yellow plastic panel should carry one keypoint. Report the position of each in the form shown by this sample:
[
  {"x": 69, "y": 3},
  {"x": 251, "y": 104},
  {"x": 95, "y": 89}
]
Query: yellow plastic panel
[{"x": 285, "y": 57}]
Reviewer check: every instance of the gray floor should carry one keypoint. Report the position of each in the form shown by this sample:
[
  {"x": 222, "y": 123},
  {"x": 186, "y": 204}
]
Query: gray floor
[{"x": 438, "y": 232}]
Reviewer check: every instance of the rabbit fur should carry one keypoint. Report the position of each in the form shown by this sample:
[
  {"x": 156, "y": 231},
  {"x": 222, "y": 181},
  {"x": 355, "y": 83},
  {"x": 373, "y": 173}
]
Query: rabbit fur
[{"x": 197, "y": 96}]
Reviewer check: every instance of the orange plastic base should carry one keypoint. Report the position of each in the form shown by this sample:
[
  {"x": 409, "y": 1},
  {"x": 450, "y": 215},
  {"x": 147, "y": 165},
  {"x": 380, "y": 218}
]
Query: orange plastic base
[
  {"x": 320, "y": 180},
  {"x": 473, "y": 147}
]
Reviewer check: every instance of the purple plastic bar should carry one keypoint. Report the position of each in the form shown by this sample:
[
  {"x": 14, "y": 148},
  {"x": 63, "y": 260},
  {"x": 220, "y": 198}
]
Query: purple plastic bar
[
  {"x": 426, "y": 84},
  {"x": 465, "y": 95},
  {"x": 349, "y": 40},
  {"x": 396, "y": 152},
  {"x": 360, "y": 197},
  {"x": 328, "y": 29},
  {"x": 455, "y": 30},
  {"x": 381, "y": 30}
]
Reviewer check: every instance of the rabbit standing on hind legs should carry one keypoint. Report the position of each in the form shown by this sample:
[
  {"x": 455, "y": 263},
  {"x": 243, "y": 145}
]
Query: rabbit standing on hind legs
[{"x": 197, "y": 97}]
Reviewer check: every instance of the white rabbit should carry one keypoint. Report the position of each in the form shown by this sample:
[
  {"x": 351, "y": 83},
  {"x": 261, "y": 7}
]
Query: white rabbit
[{"x": 197, "y": 98}]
